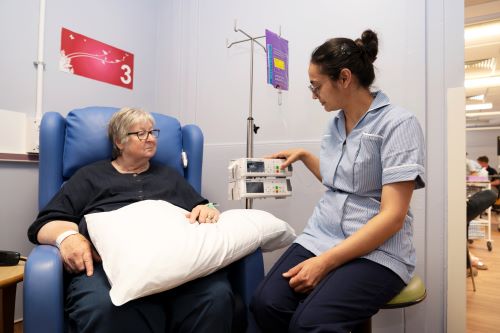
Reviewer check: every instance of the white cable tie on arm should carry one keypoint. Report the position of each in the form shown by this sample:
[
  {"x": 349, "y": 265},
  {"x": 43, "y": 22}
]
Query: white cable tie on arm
[{"x": 63, "y": 236}]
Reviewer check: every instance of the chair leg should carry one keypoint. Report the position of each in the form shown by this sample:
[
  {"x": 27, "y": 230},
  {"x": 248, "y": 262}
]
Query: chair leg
[
  {"x": 469, "y": 266},
  {"x": 365, "y": 327}
]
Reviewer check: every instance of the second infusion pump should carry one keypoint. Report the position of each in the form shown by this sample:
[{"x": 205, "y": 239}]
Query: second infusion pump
[{"x": 258, "y": 178}]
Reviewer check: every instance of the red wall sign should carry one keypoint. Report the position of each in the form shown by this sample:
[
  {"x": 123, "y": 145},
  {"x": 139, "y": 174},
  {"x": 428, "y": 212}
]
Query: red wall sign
[{"x": 88, "y": 57}]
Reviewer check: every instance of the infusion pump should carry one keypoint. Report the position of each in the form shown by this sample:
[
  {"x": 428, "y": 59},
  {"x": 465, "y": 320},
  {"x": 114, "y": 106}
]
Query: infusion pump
[
  {"x": 258, "y": 178},
  {"x": 258, "y": 167},
  {"x": 260, "y": 188}
]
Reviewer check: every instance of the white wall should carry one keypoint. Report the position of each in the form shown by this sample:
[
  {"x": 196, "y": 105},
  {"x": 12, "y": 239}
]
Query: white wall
[
  {"x": 421, "y": 56},
  {"x": 444, "y": 70},
  {"x": 184, "y": 69},
  {"x": 126, "y": 24}
]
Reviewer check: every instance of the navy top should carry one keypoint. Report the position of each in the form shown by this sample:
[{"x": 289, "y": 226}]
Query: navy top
[
  {"x": 99, "y": 187},
  {"x": 386, "y": 146}
]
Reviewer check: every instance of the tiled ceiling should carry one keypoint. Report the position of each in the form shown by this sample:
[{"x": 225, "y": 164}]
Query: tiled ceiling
[{"x": 487, "y": 49}]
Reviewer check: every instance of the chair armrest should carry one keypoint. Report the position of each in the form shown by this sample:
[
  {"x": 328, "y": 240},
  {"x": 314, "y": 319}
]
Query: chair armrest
[
  {"x": 245, "y": 276},
  {"x": 52, "y": 131},
  {"x": 43, "y": 291}
]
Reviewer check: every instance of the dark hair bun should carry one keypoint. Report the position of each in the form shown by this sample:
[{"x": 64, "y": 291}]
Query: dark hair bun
[{"x": 369, "y": 43}]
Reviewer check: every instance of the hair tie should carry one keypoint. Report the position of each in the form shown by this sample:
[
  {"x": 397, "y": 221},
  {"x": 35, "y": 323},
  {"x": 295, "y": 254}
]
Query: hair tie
[{"x": 345, "y": 50}]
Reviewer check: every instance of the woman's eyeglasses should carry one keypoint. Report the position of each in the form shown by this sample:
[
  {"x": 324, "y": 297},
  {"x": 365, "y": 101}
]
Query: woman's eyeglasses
[{"x": 144, "y": 135}]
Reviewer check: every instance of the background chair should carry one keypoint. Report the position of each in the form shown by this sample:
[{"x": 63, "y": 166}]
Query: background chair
[
  {"x": 66, "y": 144},
  {"x": 476, "y": 204}
]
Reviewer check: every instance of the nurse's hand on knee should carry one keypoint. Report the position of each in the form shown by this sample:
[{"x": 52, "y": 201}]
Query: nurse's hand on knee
[
  {"x": 78, "y": 255},
  {"x": 305, "y": 276}
]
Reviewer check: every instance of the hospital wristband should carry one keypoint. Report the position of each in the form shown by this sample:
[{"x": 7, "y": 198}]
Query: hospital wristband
[
  {"x": 63, "y": 236},
  {"x": 211, "y": 205}
]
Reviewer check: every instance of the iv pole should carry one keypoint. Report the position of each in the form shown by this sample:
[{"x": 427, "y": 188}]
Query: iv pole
[{"x": 251, "y": 127}]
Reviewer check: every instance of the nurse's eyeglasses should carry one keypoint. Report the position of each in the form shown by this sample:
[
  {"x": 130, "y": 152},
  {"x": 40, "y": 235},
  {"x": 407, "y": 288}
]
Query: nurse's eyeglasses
[
  {"x": 314, "y": 90},
  {"x": 144, "y": 135}
]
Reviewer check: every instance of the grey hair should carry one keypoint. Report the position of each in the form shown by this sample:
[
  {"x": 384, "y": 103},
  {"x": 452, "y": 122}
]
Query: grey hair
[{"x": 121, "y": 122}]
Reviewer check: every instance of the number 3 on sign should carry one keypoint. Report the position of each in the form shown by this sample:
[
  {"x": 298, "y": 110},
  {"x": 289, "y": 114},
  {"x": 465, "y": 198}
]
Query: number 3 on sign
[{"x": 126, "y": 79}]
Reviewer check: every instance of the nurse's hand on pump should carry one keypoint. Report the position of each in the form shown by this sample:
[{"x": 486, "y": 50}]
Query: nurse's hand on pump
[
  {"x": 290, "y": 156},
  {"x": 295, "y": 154}
]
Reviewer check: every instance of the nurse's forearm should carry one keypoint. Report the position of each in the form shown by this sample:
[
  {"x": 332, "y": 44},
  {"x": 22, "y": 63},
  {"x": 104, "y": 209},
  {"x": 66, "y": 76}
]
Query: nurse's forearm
[
  {"x": 364, "y": 241},
  {"x": 312, "y": 163}
]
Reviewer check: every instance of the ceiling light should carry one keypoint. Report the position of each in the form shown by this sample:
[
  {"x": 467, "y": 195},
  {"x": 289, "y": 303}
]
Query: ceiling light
[
  {"x": 482, "y": 128},
  {"x": 476, "y": 98},
  {"x": 483, "y": 82},
  {"x": 483, "y": 106},
  {"x": 480, "y": 31},
  {"x": 487, "y": 64},
  {"x": 482, "y": 114}
]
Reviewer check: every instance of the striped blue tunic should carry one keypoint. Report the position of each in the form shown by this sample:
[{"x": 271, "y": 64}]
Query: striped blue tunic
[{"x": 386, "y": 146}]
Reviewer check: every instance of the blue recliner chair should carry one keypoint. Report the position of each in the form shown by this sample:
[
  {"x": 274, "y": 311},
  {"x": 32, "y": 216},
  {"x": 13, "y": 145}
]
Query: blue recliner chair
[{"x": 67, "y": 144}]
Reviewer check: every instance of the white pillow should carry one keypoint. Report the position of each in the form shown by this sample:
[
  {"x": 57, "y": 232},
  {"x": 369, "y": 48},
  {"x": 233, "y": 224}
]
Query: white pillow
[{"x": 149, "y": 246}]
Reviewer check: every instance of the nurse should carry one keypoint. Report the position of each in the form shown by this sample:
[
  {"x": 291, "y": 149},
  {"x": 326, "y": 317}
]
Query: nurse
[{"x": 356, "y": 252}]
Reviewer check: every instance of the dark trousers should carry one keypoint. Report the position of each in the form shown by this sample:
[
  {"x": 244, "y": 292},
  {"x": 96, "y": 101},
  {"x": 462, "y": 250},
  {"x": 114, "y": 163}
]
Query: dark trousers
[
  {"x": 476, "y": 204},
  {"x": 345, "y": 298},
  {"x": 202, "y": 305},
  {"x": 479, "y": 202}
]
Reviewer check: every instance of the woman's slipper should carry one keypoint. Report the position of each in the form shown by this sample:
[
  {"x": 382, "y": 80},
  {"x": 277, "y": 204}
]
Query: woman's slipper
[{"x": 479, "y": 265}]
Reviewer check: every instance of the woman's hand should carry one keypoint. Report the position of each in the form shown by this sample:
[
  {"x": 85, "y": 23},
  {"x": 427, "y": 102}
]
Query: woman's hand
[
  {"x": 305, "y": 276},
  {"x": 78, "y": 254},
  {"x": 203, "y": 214}
]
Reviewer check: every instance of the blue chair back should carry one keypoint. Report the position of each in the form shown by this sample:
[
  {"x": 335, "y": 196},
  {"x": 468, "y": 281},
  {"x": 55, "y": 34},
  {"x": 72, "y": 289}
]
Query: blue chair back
[{"x": 67, "y": 144}]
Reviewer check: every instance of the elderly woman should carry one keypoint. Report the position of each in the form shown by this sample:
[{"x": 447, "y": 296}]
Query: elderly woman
[{"x": 203, "y": 305}]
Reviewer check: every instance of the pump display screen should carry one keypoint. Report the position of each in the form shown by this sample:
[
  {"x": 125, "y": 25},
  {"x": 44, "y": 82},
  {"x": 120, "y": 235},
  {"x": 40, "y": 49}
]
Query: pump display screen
[
  {"x": 255, "y": 166},
  {"x": 255, "y": 187}
]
